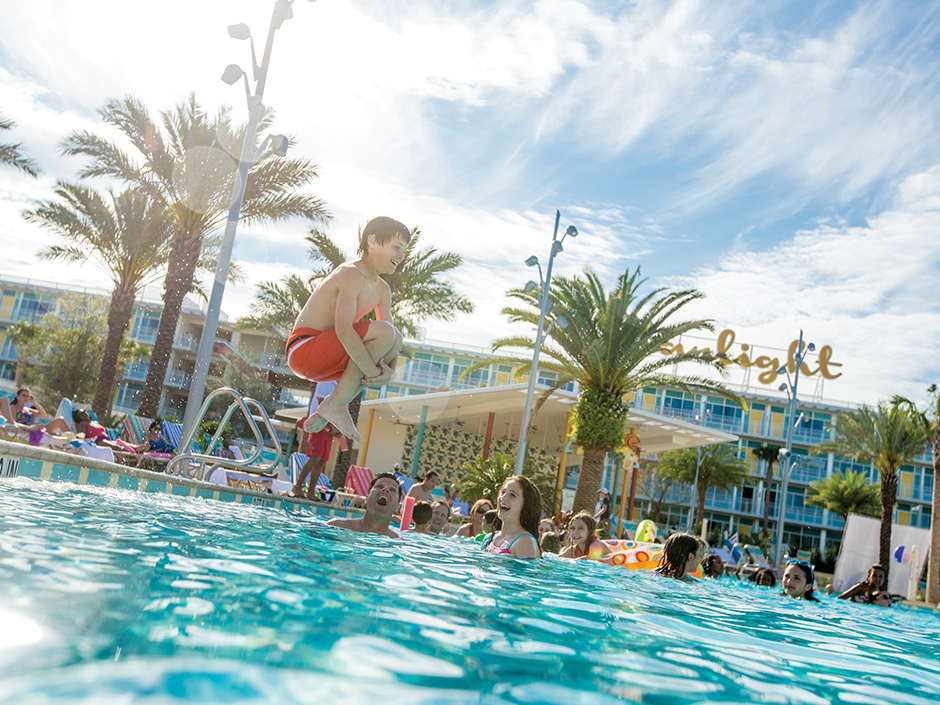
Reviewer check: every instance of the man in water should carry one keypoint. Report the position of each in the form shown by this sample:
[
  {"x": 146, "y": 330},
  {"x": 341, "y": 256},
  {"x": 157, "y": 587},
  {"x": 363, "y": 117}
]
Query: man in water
[{"x": 381, "y": 502}]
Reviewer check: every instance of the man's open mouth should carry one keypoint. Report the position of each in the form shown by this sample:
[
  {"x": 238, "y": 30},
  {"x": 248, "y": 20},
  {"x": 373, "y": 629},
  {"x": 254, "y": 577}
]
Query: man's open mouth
[{"x": 382, "y": 501}]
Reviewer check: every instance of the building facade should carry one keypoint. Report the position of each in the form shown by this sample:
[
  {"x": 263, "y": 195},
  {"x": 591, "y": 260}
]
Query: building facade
[{"x": 439, "y": 367}]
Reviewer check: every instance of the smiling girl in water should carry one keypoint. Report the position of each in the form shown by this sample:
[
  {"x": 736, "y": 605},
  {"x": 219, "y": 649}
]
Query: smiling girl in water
[
  {"x": 581, "y": 542},
  {"x": 798, "y": 580},
  {"x": 519, "y": 507}
]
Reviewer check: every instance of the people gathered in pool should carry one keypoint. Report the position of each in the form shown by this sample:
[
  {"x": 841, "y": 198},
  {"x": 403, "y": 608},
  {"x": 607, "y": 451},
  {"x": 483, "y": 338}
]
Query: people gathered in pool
[{"x": 516, "y": 528}]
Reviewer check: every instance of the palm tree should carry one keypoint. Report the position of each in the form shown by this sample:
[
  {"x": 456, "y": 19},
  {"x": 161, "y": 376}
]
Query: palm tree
[
  {"x": 11, "y": 154},
  {"x": 124, "y": 234},
  {"x": 851, "y": 493},
  {"x": 611, "y": 346},
  {"x": 188, "y": 168},
  {"x": 718, "y": 467},
  {"x": 769, "y": 454},
  {"x": 21, "y": 334},
  {"x": 482, "y": 479},
  {"x": 419, "y": 292},
  {"x": 931, "y": 421},
  {"x": 888, "y": 437}
]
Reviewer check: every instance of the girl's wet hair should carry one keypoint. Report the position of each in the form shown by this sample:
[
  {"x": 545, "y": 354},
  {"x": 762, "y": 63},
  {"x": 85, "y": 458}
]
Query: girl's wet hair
[
  {"x": 676, "y": 552},
  {"x": 766, "y": 577},
  {"x": 384, "y": 229},
  {"x": 588, "y": 519},
  {"x": 531, "y": 512},
  {"x": 708, "y": 565}
]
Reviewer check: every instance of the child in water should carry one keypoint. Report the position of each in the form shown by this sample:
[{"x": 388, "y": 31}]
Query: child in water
[
  {"x": 421, "y": 516},
  {"x": 490, "y": 524},
  {"x": 682, "y": 554},
  {"x": 867, "y": 590},
  {"x": 798, "y": 581},
  {"x": 581, "y": 542},
  {"x": 518, "y": 507}
]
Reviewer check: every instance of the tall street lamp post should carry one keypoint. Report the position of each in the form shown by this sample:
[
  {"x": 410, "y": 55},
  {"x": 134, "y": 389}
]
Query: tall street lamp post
[
  {"x": 542, "y": 289},
  {"x": 787, "y": 452},
  {"x": 276, "y": 144}
]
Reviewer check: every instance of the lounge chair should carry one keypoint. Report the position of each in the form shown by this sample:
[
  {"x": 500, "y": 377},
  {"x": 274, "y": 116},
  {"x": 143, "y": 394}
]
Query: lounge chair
[{"x": 358, "y": 479}]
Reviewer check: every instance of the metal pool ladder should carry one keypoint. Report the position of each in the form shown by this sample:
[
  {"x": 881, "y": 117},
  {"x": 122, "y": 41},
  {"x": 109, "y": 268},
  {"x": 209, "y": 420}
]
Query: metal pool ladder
[{"x": 187, "y": 455}]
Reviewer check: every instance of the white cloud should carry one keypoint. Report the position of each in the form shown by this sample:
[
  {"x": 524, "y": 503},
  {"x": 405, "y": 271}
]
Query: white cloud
[{"x": 867, "y": 291}]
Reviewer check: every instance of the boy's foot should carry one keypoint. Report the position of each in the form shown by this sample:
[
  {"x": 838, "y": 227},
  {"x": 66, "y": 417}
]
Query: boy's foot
[
  {"x": 315, "y": 423},
  {"x": 340, "y": 419}
]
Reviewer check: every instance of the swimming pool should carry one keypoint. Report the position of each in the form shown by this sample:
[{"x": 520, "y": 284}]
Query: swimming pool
[{"x": 116, "y": 596}]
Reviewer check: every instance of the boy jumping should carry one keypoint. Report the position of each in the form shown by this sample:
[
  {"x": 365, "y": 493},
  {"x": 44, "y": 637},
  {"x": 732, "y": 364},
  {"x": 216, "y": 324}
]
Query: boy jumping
[{"x": 329, "y": 342}]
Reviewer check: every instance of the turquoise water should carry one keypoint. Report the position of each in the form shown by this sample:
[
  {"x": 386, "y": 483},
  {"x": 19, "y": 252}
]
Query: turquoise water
[{"x": 118, "y": 597}]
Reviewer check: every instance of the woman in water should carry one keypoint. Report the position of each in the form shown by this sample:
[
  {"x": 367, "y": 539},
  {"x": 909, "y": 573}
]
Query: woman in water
[
  {"x": 798, "y": 580},
  {"x": 477, "y": 512},
  {"x": 682, "y": 554},
  {"x": 518, "y": 507},
  {"x": 867, "y": 590},
  {"x": 581, "y": 542}
]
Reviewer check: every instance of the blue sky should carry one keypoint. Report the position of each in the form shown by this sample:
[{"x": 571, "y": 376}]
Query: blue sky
[{"x": 782, "y": 158}]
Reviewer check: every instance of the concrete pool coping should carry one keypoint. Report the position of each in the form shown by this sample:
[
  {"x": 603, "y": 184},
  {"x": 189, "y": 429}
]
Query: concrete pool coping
[{"x": 21, "y": 460}]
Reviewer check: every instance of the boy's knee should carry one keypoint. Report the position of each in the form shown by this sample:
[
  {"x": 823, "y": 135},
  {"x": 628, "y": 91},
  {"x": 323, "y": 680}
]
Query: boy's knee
[{"x": 384, "y": 330}]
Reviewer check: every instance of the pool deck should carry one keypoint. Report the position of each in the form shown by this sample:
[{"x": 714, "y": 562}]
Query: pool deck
[{"x": 21, "y": 460}]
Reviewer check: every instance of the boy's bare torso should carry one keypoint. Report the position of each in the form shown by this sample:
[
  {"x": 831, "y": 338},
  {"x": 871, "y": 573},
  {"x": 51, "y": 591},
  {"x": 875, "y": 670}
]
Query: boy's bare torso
[{"x": 319, "y": 312}]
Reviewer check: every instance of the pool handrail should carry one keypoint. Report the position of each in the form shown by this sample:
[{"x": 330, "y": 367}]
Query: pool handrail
[{"x": 247, "y": 464}]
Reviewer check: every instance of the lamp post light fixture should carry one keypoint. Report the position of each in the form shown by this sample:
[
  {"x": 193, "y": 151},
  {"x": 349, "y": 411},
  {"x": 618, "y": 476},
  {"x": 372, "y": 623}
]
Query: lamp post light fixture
[
  {"x": 274, "y": 144},
  {"x": 786, "y": 453},
  {"x": 541, "y": 332}
]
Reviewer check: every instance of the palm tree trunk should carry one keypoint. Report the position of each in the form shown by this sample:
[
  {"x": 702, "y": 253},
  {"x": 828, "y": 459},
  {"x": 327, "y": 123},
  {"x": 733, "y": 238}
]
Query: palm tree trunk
[
  {"x": 767, "y": 480},
  {"x": 933, "y": 567},
  {"x": 589, "y": 480},
  {"x": 344, "y": 457},
  {"x": 119, "y": 317},
  {"x": 21, "y": 364},
  {"x": 889, "y": 493},
  {"x": 700, "y": 509},
  {"x": 179, "y": 281}
]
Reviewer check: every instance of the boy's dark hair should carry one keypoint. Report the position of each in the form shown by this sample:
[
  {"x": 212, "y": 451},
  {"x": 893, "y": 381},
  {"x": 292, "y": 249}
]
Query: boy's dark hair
[
  {"x": 422, "y": 512},
  {"x": 384, "y": 230},
  {"x": 490, "y": 517},
  {"x": 551, "y": 542},
  {"x": 391, "y": 477}
]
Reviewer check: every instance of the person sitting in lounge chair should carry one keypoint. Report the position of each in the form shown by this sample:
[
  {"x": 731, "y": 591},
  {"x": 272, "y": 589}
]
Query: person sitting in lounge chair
[
  {"x": 26, "y": 413},
  {"x": 154, "y": 443},
  {"x": 93, "y": 431}
]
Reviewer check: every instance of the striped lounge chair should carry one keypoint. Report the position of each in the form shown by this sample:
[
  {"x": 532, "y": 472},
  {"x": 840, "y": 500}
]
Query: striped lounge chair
[{"x": 358, "y": 479}]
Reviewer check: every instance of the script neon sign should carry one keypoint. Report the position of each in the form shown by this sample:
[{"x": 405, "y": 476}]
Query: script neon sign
[{"x": 824, "y": 364}]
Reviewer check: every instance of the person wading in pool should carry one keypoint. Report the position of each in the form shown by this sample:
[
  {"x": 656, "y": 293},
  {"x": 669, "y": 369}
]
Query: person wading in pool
[
  {"x": 331, "y": 342},
  {"x": 798, "y": 580},
  {"x": 518, "y": 507},
  {"x": 475, "y": 526},
  {"x": 421, "y": 491},
  {"x": 682, "y": 554},
  {"x": 865, "y": 591},
  {"x": 381, "y": 501}
]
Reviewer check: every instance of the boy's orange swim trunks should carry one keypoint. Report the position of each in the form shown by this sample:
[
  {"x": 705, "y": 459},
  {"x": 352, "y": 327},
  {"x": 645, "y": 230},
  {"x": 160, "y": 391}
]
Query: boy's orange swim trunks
[{"x": 318, "y": 355}]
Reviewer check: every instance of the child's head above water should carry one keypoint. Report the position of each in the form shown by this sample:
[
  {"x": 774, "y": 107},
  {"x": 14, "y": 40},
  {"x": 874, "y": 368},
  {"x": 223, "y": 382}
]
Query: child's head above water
[
  {"x": 520, "y": 500},
  {"x": 489, "y": 520},
  {"x": 384, "y": 230},
  {"x": 798, "y": 580},
  {"x": 421, "y": 514},
  {"x": 681, "y": 555},
  {"x": 876, "y": 577},
  {"x": 581, "y": 531}
]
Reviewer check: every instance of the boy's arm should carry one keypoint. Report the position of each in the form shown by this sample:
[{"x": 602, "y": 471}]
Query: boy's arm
[{"x": 348, "y": 286}]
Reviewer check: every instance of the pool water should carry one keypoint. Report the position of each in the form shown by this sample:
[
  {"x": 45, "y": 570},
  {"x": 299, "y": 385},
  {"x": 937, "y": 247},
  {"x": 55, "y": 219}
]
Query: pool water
[{"x": 120, "y": 597}]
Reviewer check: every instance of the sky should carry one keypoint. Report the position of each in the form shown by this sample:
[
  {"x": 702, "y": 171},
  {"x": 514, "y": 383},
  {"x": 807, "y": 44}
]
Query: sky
[{"x": 781, "y": 158}]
